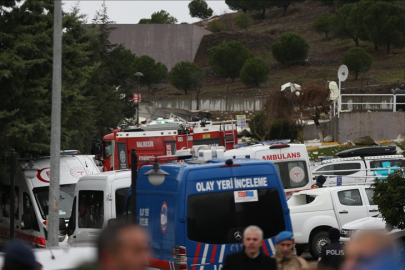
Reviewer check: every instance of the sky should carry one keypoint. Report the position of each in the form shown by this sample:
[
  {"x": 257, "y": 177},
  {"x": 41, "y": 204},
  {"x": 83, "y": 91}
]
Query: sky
[{"x": 130, "y": 12}]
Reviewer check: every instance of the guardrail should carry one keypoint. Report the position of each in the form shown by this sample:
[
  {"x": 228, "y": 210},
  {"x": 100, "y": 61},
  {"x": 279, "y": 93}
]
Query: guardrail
[{"x": 388, "y": 102}]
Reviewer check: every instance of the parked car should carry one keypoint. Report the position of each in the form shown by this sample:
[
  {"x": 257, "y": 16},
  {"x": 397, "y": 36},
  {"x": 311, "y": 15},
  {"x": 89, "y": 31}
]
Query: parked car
[
  {"x": 355, "y": 170},
  {"x": 314, "y": 212}
]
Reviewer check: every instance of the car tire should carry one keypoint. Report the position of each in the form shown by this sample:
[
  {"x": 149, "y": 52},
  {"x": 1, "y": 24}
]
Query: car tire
[{"x": 318, "y": 241}]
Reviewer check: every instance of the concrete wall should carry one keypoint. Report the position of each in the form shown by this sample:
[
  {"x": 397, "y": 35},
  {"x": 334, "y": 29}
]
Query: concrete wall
[
  {"x": 354, "y": 125},
  {"x": 219, "y": 104},
  {"x": 166, "y": 43}
]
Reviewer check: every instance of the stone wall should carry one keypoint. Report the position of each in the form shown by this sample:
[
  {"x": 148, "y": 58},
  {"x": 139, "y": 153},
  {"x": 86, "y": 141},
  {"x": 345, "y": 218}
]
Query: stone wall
[{"x": 166, "y": 43}]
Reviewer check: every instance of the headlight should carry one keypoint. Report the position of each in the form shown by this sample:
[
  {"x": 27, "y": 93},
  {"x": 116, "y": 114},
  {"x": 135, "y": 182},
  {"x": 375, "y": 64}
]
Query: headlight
[{"x": 347, "y": 233}]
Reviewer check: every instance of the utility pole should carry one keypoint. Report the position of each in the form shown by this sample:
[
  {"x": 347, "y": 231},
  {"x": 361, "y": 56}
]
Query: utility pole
[
  {"x": 53, "y": 212},
  {"x": 12, "y": 194},
  {"x": 134, "y": 178}
]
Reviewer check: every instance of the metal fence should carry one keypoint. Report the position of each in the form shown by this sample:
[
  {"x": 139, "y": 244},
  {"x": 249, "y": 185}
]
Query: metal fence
[{"x": 373, "y": 102}]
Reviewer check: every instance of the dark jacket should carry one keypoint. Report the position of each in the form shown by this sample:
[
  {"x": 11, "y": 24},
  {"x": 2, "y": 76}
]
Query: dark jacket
[
  {"x": 332, "y": 256},
  {"x": 240, "y": 261}
]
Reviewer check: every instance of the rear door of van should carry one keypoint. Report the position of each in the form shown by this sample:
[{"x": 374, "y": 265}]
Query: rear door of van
[{"x": 220, "y": 203}]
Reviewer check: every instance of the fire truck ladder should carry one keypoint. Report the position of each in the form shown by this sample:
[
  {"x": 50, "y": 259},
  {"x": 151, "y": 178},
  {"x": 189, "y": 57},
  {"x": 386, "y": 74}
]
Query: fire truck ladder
[{"x": 229, "y": 135}]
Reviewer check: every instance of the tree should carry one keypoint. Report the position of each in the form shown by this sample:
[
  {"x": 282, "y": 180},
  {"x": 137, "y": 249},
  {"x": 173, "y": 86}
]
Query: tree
[
  {"x": 199, "y": 9},
  {"x": 258, "y": 126},
  {"x": 237, "y": 5},
  {"x": 355, "y": 21},
  {"x": 357, "y": 61},
  {"x": 384, "y": 24},
  {"x": 217, "y": 26},
  {"x": 254, "y": 72},
  {"x": 341, "y": 26},
  {"x": 159, "y": 17},
  {"x": 290, "y": 49},
  {"x": 313, "y": 101},
  {"x": 182, "y": 76},
  {"x": 323, "y": 23},
  {"x": 197, "y": 78},
  {"x": 227, "y": 59},
  {"x": 389, "y": 195},
  {"x": 244, "y": 21},
  {"x": 153, "y": 72},
  {"x": 283, "y": 129}
]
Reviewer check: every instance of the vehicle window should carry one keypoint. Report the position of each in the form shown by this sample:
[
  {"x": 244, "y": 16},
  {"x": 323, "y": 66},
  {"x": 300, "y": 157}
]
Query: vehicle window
[
  {"x": 5, "y": 202},
  {"x": 91, "y": 209},
  {"x": 127, "y": 217},
  {"x": 72, "y": 219},
  {"x": 350, "y": 197},
  {"x": 66, "y": 193},
  {"x": 385, "y": 163},
  {"x": 215, "y": 217},
  {"x": 28, "y": 208},
  {"x": 107, "y": 149},
  {"x": 293, "y": 173},
  {"x": 325, "y": 169},
  {"x": 120, "y": 196},
  {"x": 347, "y": 166},
  {"x": 370, "y": 193}
]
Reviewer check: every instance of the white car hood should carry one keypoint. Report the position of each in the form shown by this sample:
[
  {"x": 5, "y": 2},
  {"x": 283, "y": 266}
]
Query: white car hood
[{"x": 369, "y": 223}]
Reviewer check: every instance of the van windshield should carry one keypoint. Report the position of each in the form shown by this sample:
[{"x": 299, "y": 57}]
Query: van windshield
[
  {"x": 66, "y": 193},
  {"x": 215, "y": 218}
]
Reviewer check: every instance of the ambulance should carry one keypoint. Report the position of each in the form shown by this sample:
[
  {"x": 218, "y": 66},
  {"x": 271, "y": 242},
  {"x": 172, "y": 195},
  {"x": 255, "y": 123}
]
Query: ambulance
[
  {"x": 31, "y": 198},
  {"x": 291, "y": 161},
  {"x": 197, "y": 216}
]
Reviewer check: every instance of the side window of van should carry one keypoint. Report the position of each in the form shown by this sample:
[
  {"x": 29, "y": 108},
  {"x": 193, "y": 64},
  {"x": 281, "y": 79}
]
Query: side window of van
[
  {"x": 120, "y": 196},
  {"x": 350, "y": 167},
  {"x": 72, "y": 219},
  {"x": 370, "y": 193},
  {"x": 91, "y": 209},
  {"x": 325, "y": 170},
  {"x": 6, "y": 200},
  {"x": 28, "y": 208},
  {"x": 350, "y": 197}
]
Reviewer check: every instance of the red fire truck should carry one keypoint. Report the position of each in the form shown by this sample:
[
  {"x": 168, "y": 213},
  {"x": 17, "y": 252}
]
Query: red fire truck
[{"x": 162, "y": 140}]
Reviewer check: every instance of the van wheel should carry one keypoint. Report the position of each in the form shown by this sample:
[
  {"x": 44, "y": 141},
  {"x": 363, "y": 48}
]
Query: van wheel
[{"x": 319, "y": 240}]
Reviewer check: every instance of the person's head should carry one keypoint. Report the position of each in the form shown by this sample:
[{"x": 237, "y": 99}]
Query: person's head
[
  {"x": 123, "y": 246},
  {"x": 284, "y": 242},
  {"x": 252, "y": 240},
  {"x": 19, "y": 256},
  {"x": 321, "y": 179},
  {"x": 334, "y": 234}
]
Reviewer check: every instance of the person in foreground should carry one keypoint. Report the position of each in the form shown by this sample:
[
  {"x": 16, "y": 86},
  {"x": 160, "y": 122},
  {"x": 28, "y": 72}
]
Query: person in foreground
[
  {"x": 19, "y": 256},
  {"x": 251, "y": 257},
  {"x": 121, "y": 247},
  {"x": 285, "y": 255},
  {"x": 332, "y": 255}
]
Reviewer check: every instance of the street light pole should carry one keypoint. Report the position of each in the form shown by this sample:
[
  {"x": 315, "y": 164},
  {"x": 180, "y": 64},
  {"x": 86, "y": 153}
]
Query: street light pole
[
  {"x": 12, "y": 194},
  {"x": 138, "y": 74},
  {"x": 53, "y": 212},
  {"x": 134, "y": 177}
]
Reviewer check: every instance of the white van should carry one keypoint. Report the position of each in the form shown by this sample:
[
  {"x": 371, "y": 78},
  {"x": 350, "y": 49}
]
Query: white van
[
  {"x": 357, "y": 170},
  {"x": 291, "y": 160},
  {"x": 32, "y": 195},
  {"x": 97, "y": 199}
]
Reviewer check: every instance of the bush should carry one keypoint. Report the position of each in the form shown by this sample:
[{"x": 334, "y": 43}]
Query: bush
[
  {"x": 244, "y": 21},
  {"x": 283, "y": 129},
  {"x": 323, "y": 23},
  {"x": 258, "y": 126},
  {"x": 290, "y": 49},
  {"x": 228, "y": 58},
  {"x": 217, "y": 26},
  {"x": 254, "y": 72},
  {"x": 357, "y": 60}
]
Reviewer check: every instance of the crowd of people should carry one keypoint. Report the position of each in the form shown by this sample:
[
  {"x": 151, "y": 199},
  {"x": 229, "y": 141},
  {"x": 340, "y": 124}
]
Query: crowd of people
[{"x": 127, "y": 247}]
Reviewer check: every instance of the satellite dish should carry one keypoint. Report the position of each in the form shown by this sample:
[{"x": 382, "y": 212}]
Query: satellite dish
[
  {"x": 343, "y": 72},
  {"x": 334, "y": 90}
]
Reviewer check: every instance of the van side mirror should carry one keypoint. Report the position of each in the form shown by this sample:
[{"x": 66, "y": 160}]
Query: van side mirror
[
  {"x": 62, "y": 226},
  {"x": 112, "y": 222},
  {"x": 27, "y": 223}
]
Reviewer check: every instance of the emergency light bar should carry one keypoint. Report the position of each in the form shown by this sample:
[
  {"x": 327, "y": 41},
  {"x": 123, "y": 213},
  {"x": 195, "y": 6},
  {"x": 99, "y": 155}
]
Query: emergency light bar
[
  {"x": 279, "y": 146},
  {"x": 69, "y": 152}
]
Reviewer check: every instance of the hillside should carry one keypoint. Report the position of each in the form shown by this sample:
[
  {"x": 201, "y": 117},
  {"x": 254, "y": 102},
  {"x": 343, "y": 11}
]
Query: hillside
[{"x": 323, "y": 61}]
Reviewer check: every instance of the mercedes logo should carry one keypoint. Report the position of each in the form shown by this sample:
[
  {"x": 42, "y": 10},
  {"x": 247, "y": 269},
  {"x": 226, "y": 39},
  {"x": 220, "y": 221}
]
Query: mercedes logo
[{"x": 238, "y": 235}]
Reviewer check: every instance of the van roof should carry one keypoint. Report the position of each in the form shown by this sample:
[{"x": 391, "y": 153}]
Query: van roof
[
  {"x": 107, "y": 176},
  {"x": 212, "y": 170},
  {"x": 255, "y": 148}
]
